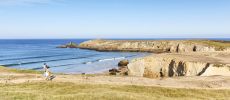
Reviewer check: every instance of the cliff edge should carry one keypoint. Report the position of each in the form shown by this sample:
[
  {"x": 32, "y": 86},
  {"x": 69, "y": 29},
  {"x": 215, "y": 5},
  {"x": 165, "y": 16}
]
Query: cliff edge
[
  {"x": 181, "y": 64},
  {"x": 156, "y": 46},
  {"x": 183, "y": 57}
]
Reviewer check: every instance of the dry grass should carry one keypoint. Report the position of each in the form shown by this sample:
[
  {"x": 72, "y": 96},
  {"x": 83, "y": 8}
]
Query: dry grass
[
  {"x": 71, "y": 91},
  {"x": 219, "y": 45},
  {"x": 82, "y": 91},
  {"x": 5, "y": 69}
]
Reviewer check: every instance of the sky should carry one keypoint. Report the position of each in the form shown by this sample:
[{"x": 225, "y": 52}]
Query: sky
[{"x": 56, "y": 19}]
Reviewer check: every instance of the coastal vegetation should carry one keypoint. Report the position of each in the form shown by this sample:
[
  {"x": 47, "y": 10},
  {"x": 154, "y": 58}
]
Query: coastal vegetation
[
  {"x": 156, "y": 46},
  {"x": 5, "y": 69},
  {"x": 219, "y": 45},
  {"x": 72, "y": 91},
  {"x": 29, "y": 85}
]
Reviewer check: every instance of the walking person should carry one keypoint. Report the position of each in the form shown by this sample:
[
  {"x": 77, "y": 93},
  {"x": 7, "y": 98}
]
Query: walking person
[
  {"x": 45, "y": 66},
  {"x": 47, "y": 73}
]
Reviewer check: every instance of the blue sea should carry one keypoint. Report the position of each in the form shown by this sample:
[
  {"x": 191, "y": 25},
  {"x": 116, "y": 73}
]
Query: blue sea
[{"x": 31, "y": 54}]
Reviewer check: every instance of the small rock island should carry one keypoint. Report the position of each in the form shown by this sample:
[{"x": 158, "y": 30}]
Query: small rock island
[{"x": 69, "y": 45}]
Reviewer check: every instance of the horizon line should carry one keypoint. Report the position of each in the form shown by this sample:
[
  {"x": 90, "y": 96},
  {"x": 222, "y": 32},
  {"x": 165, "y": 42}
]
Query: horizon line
[{"x": 103, "y": 38}]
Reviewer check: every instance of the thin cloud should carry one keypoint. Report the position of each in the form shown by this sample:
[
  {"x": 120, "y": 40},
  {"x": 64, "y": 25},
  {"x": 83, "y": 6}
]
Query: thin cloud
[{"x": 27, "y": 2}]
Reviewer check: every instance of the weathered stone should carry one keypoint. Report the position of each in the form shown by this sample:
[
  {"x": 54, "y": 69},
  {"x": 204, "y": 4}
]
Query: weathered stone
[
  {"x": 155, "y": 46},
  {"x": 123, "y": 70},
  {"x": 173, "y": 65},
  {"x": 113, "y": 71},
  {"x": 69, "y": 45},
  {"x": 123, "y": 63}
]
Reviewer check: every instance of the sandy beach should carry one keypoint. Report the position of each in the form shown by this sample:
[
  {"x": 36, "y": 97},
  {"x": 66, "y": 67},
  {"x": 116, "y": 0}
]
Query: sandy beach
[{"x": 195, "y": 82}]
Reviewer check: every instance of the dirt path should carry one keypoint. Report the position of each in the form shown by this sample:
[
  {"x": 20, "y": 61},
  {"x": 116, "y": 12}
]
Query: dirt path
[{"x": 211, "y": 82}]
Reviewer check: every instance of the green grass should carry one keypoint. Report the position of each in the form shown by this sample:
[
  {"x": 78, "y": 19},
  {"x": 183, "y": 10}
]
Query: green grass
[
  {"x": 2, "y": 68},
  {"x": 71, "y": 91}
]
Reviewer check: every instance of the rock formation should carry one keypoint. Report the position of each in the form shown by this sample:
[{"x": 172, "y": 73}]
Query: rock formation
[
  {"x": 69, "y": 45},
  {"x": 189, "y": 64},
  {"x": 123, "y": 63},
  {"x": 122, "y": 68},
  {"x": 178, "y": 58},
  {"x": 155, "y": 46}
]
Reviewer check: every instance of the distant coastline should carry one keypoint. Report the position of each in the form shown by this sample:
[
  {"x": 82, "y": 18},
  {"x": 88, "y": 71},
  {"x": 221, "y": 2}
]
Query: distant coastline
[
  {"x": 200, "y": 57},
  {"x": 154, "y": 46},
  {"x": 85, "y": 39}
]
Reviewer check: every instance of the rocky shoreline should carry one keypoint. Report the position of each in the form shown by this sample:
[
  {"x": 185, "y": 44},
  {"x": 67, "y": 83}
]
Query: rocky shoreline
[
  {"x": 156, "y": 46},
  {"x": 183, "y": 64},
  {"x": 68, "y": 45},
  {"x": 176, "y": 58}
]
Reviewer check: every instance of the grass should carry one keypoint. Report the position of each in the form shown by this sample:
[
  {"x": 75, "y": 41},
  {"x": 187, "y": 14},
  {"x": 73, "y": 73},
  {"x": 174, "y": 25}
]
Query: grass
[
  {"x": 5, "y": 69},
  {"x": 219, "y": 45},
  {"x": 72, "y": 91}
]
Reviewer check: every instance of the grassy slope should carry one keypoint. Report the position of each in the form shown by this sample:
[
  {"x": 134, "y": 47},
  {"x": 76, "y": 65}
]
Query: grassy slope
[
  {"x": 5, "y": 69},
  {"x": 72, "y": 91},
  {"x": 219, "y": 45},
  {"x": 69, "y": 91}
]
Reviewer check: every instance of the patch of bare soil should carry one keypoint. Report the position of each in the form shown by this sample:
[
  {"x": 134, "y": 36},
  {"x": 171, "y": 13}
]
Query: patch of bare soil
[{"x": 199, "y": 82}]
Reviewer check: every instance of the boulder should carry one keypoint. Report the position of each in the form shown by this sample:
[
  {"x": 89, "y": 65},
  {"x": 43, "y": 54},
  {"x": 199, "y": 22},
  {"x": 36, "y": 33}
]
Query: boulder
[
  {"x": 113, "y": 71},
  {"x": 123, "y": 63},
  {"x": 122, "y": 68}
]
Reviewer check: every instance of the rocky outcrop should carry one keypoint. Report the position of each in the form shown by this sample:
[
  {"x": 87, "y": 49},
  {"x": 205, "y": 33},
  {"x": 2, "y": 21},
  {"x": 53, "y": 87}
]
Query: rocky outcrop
[
  {"x": 122, "y": 68},
  {"x": 69, "y": 45},
  {"x": 172, "y": 65},
  {"x": 123, "y": 63},
  {"x": 113, "y": 71},
  {"x": 156, "y": 46}
]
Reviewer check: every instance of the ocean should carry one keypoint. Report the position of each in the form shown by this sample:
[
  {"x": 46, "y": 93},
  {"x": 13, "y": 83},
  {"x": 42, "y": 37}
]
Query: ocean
[{"x": 32, "y": 53}]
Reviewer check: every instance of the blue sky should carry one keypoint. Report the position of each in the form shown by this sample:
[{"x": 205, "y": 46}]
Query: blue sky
[{"x": 114, "y": 18}]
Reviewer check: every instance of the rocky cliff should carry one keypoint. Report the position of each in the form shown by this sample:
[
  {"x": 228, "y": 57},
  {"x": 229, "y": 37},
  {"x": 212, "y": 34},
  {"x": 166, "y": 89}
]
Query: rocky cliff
[
  {"x": 182, "y": 64},
  {"x": 156, "y": 46},
  {"x": 183, "y": 57}
]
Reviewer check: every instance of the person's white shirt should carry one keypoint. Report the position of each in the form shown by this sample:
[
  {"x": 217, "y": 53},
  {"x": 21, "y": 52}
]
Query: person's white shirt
[{"x": 45, "y": 67}]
